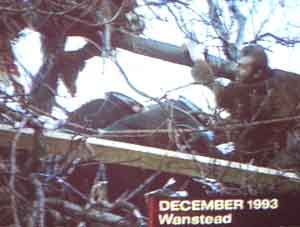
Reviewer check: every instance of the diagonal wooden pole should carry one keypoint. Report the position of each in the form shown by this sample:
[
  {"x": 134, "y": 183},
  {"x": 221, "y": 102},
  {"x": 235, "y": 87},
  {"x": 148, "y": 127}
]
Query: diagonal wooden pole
[{"x": 158, "y": 159}]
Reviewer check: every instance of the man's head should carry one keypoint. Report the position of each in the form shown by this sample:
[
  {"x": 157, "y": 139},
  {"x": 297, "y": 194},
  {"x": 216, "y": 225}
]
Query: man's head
[{"x": 253, "y": 63}]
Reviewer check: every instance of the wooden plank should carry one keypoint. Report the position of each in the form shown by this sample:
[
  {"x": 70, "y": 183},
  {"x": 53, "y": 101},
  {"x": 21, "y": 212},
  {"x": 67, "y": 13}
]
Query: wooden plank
[{"x": 158, "y": 159}]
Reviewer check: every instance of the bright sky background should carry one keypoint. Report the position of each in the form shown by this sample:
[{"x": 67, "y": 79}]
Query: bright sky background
[{"x": 152, "y": 76}]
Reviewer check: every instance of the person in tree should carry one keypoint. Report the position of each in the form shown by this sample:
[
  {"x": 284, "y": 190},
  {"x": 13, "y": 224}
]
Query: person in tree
[{"x": 269, "y": 97}]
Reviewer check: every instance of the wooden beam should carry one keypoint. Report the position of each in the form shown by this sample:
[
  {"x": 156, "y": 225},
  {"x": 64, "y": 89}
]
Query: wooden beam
[{"x": 158, "y": 159}]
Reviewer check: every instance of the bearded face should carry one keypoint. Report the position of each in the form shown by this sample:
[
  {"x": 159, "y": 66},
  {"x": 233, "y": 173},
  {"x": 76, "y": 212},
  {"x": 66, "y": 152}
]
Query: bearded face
[
  {"x": 246, "y": 69},
  {"x": 253, "y": 64}
]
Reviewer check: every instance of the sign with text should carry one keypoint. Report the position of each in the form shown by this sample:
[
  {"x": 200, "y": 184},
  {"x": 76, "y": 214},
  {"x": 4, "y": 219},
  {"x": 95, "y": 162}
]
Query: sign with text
[{"x": 271, "y": 211}]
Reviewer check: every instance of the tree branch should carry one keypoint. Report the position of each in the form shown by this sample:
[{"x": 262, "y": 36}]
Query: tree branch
[
  {"x": 152, "y": 48},
  {"x": 168, "y": 52},
  {"x": 285, "y": 41},
  {"x": 77, "y": 211}
]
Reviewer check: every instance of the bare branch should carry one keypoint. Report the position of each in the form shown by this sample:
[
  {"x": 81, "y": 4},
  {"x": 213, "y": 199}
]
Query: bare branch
[
  {"x": 13, "y": 171},
  {"x": 240, "y": 19},
  {"x": 285, "y": 41},
  {"x": 38, "y": 214},
  {"x": 75, "y": 210}
]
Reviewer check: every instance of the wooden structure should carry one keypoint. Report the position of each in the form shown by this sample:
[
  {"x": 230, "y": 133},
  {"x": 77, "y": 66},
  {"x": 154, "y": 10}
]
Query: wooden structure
[{"x": 157, "y": 159}]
